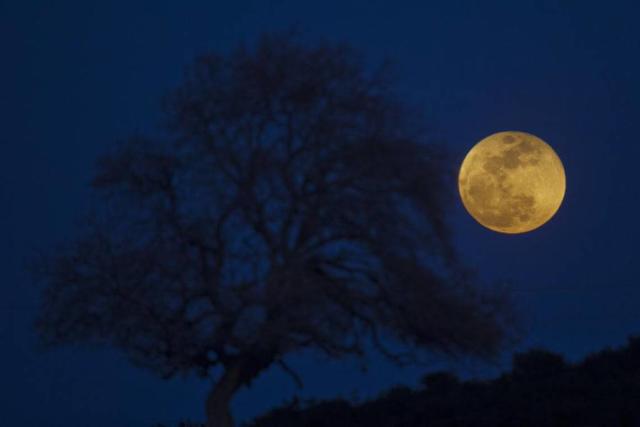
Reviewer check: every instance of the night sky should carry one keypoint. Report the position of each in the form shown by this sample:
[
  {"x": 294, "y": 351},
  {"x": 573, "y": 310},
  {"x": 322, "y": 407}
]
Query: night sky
[{"x": 77, "y": 77}]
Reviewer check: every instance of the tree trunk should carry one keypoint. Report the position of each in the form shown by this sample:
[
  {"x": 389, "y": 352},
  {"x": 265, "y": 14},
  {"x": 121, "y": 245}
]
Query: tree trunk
[
  {"x": 218, "y": 402},
  {"x": 237, "y": 374}
]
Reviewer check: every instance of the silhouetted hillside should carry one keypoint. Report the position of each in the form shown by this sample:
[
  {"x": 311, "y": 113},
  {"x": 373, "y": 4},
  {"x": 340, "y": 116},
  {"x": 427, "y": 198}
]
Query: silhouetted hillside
[{"x": 541, "y": 390}]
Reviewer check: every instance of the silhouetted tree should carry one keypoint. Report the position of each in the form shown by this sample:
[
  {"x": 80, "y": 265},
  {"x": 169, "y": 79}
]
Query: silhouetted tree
[{"x": 291, "y": 204}]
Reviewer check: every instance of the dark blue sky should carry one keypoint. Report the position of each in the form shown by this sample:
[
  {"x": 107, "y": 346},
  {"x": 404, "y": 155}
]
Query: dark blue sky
[{"x": 77, "y": 76}]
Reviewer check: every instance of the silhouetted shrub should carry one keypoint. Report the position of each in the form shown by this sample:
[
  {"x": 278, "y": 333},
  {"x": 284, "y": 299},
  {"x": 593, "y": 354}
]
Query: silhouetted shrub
[{"x": 542, "y": 391}]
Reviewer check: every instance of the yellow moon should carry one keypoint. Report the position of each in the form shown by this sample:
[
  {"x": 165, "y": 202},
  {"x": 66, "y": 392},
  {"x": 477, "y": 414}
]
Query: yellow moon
[{"x": 512, "y": 182}]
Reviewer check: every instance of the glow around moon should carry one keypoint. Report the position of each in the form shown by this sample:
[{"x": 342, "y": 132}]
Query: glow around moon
[{"x": 512, "y": 182}]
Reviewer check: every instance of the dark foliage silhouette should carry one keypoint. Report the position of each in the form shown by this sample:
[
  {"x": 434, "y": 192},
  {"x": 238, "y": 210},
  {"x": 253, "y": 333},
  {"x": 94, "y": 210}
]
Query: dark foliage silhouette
[
  {"x": 291, "y": 204},
  {"x": 541, "y": 391}
]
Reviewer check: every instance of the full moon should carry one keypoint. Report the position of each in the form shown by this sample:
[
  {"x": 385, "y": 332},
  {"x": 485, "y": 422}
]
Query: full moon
[{"x": 512, "y": 182}]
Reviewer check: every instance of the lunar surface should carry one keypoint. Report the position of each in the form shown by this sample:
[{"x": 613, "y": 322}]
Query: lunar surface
[{"x": 512, "y": 182}]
